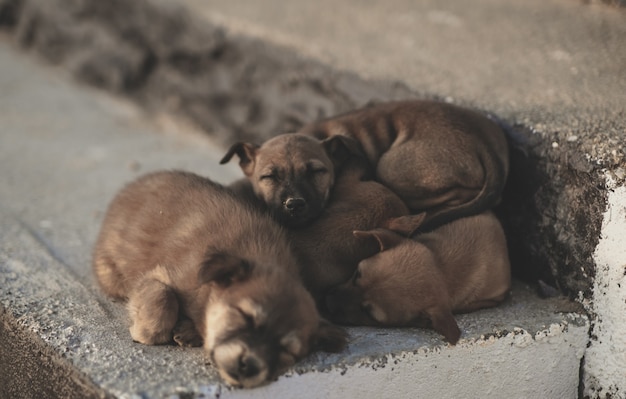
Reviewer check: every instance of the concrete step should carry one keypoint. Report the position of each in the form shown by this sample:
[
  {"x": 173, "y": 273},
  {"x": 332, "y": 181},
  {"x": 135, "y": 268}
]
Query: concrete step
[
  {"x": 551, "y": 69},
  {"x": 65, "y": 150}
]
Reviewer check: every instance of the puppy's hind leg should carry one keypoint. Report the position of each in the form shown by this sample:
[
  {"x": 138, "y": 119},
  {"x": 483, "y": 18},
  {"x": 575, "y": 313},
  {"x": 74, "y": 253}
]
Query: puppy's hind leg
[
  {"x": 444, "y": 323},
  {"x": 109, "y": 277},
  {"x": 153, "y": 311}
]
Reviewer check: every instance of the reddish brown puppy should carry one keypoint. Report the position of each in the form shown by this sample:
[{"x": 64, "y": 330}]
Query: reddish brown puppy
[
  {"x": 291, "y": 174},
  {"x": 439, "y": 158},
  {"x": 327, "y": 251},
  {"x": 197, "y": 265},
  {"x": 459, "y": 267}
]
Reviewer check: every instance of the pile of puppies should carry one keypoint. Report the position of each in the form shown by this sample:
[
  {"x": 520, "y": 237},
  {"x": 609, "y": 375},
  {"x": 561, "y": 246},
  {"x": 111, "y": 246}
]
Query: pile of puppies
[{"x": 376, "y": 217}]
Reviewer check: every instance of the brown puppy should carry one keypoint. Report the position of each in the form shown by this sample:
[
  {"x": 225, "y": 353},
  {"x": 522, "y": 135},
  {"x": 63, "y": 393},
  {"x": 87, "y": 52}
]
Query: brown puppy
[
  {"x": 189, "y": 256},
  {"x": 459, "y": 267},
  {"x": 291, "y": 173},
  {"x": 439, "y": 158},
  {"x": 327, "y": 251}
]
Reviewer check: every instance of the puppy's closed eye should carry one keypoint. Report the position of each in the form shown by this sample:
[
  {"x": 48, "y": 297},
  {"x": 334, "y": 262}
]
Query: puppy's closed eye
[
  {"x": 252, "y": 313},
  {"x": 247, "y": 318},
  {"x": 319, "y": 171},
  {"x": 269, "y": 177}
]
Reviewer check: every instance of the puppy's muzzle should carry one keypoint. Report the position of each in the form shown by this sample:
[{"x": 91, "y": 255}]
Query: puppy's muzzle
[
  {"x": 240, "y": 366},
  {"x": 248, "y": 367},
  {"x": 295, "y": 206}
]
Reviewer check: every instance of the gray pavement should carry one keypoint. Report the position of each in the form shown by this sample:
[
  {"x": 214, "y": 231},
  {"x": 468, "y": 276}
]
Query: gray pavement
[
  {"x": 556, "y": 66},
  {"x": 66, "y": 149},
  {"x": 553, "y": 69}
]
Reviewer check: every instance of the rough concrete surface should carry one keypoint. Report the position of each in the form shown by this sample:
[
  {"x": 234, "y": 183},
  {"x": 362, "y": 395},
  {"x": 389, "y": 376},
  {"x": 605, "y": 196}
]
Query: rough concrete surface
[
  {"x": 243, "y": 69},
  {"x": 65, "y": 150},
  {"x": 553, "y": 70}
]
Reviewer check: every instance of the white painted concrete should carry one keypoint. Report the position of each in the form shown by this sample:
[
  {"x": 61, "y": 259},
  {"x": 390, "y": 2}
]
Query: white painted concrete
[
  {"x": 518, "y": 365},
  {"x": 605, "y": 359}
]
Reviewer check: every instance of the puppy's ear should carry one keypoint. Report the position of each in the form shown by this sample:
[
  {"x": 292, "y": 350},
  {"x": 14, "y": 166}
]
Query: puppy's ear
[
  {"x": 341, "y": 148},
  {"x": 386, "y": 239},
  {"x": 444, "y": 323},
  {"x": 329, "y": 338},
  {"x": 246, "y": 153},
  {"x": 405, "y": 225},
  {"x": 223, "y": 270}
]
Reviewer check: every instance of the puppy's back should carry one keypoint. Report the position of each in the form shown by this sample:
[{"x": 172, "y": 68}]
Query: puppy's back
[
  {"x": 472, "y": 253},
  {"x": 172, "y": 219}
]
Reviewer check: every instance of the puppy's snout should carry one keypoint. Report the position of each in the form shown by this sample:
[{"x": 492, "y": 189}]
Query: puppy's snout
[
  {"x": 249, "y": 366},
  {"x": 295, "y": 205}
]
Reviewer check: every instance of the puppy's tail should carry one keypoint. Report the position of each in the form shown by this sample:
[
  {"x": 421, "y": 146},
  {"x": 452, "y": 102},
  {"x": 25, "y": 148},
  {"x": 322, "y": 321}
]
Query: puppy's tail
[{"x": 495, "y": 175}]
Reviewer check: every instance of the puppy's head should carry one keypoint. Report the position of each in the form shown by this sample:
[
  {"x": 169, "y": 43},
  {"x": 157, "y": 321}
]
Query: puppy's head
[
  {"x": 292, "y": 174},
  {"x": 259, "y": 323},
  {"x": 396, "y": 287}
]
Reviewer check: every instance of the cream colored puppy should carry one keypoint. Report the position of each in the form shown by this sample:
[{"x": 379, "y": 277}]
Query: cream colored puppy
[{"x": 459, "y": 267}]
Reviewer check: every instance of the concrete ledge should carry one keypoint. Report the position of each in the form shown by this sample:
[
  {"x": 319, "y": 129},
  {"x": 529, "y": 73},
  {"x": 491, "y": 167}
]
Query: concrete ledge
[
  {"x": 78, "y": 345},
  {"x": 237, "y": 71},
  {"x": 64, "y": 152}
]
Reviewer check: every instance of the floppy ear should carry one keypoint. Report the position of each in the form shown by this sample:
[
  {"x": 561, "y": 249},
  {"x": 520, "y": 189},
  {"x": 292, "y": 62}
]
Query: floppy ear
[
  {"x": 405, "y": 225},
  {"x": 223, "y": 269},
  {"x": 246, "y": 153},
  {"x": 386, "y": 239},
  {"x": 445, "y": 324},
  {"x": 340, "y": 148},
  {"x": 329, "y": 338}
]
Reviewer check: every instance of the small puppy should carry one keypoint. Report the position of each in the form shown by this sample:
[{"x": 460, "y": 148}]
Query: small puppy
[
  {"x": 291, "y": 173},
  {"x": 327, "y": 251},
  {"x": 439, "y": 158},
  {"x": 459, "y": 267},
  {"x": 197, "y": 265}
]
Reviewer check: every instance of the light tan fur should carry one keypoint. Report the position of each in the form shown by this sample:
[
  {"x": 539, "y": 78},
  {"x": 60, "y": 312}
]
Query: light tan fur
[
  {"x": 197, "y": 265},
  {"x": 459, "y": 267}
]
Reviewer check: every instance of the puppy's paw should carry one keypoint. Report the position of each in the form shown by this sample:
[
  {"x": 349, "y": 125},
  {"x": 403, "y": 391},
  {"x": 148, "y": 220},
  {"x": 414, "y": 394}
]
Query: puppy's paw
[
  {"x": 153, "y": 310},
  {"x": 147, "y": 336},
  {"x": 185, "y": 334}
]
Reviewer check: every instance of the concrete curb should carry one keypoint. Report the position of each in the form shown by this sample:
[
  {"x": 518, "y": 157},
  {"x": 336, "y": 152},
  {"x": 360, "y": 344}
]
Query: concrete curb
[{"x": 238, "y": 77}]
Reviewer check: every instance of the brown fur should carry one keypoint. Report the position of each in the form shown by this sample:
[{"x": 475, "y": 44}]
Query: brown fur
[
  {"x": 291, "y": 174},
  {"x": 439, "y": 158},
  {"x": 199, "y": 266},
  {"x": 459, "y": 267},
  {"x": 327, "y": 251}
]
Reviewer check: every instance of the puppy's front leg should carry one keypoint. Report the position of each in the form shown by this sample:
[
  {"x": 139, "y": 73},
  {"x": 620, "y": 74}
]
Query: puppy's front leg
[
  {"x": 153, "y": 310},
  {"x": 185, "y": 333}
]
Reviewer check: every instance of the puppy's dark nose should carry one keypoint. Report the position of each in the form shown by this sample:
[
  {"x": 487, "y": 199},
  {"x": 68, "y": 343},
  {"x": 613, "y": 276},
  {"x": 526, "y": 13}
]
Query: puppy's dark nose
[
  {"x": 295, "y": 205},
  {"x": 249, "y": 367}
]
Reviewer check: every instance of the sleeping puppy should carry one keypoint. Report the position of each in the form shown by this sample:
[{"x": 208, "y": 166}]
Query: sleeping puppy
[
  {"x": 198, "y": 266},
  {"x": 439, "y": 158},
  {"x": 291, "y": 174},
  {"x": 459, "y": 267},
  {"x": 327, "y": 251}
]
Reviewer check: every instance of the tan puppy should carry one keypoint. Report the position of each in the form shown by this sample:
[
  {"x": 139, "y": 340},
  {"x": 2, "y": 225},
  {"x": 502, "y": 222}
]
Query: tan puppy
[
  {"x": 439, "y": 158},
  {"x": 291, "y": 173},
  {"x": 327, "y": 251},
  {"x": 198, "y": 265},
  {"x": 460, "y": 267}
]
